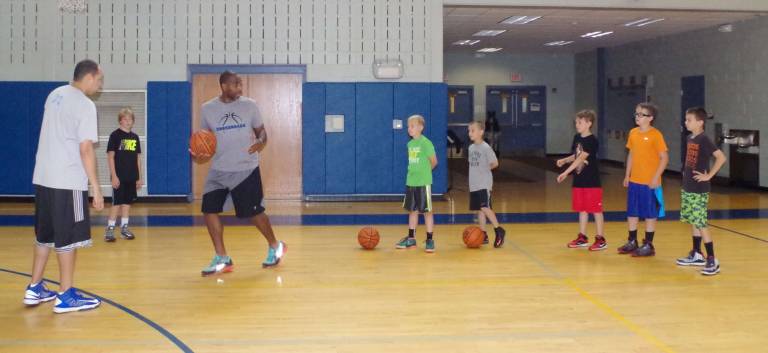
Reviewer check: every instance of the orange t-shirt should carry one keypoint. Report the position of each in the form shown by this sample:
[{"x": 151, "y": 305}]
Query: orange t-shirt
[{"x": 645, "y": 148}]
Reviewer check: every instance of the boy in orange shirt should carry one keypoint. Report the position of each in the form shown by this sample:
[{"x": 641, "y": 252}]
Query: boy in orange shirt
[{"x": 646, "y": 162}]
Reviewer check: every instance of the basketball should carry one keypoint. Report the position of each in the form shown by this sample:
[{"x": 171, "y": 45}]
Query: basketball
[
  {"x": 203, "y": 142},
  {"x": 368, "y": 237},
  {"x": 473, "y": 237}
]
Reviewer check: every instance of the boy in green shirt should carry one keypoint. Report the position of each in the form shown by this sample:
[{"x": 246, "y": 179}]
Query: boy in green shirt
[{"x": 418, "y": 193}]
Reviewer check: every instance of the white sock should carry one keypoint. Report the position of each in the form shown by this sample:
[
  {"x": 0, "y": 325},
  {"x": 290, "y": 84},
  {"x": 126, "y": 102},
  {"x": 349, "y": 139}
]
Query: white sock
[
  {"x": 34, "y": 284},
  {"x": 124, "y": 222},
  {"x": 111, "y": 222}
]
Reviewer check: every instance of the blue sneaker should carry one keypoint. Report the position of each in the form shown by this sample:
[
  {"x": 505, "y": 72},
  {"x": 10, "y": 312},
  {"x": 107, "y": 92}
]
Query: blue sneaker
[
  {"x": 219, "y": 264},
  {"x": 406, "y": 243},
  {"x": 38, "y": 294},
  {"x": 71, "y": 300},
  {"x": 429, "y": 246},
  {"x": 274, "y": 255}
]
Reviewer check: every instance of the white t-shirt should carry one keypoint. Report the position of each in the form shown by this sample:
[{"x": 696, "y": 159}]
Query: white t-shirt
[{"x": 69, "y": 118}]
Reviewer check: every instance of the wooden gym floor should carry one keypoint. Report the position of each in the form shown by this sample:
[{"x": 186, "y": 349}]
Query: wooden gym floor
[{"x": 533, "y": 295}]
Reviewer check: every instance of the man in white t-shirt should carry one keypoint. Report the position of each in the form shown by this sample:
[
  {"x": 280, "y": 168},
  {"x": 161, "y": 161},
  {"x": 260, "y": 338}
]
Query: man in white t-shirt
[{"x": 64, "y": 164}]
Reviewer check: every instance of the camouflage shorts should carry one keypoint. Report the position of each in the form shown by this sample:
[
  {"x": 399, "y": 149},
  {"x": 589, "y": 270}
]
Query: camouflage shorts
[{"x": 693, "y": 209}]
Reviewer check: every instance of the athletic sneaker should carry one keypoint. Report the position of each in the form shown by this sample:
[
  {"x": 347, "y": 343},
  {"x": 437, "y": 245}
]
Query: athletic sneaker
[
  {"x": 38, "y": 294},
  {"x": 109, "y": 234},
  {"x": 274, "y": 255},
  {"x": 429, "y": 246},
  {"x": 499, "y": 241},
  {"x": 599, "y": 244},
  {"x": 485, "y": 238},
  {"x": 645, "y": 250},
  {"x": 712, "y": 268},
  {"x": 580, "y": 241},
  {"x": 71, "y": 300},
  {"x": 406, "y": 243},
  {"x": 219, "y": 264},
  {"x": 693, "y": 259},
  {"x": 126, "y": 233},
  {"x": 629, "y": 247}
]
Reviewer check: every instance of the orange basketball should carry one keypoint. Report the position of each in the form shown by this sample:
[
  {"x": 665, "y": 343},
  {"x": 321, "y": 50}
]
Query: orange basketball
[
  {"x": 368, "y": 237},
  {"x": 203, "y": 142},
  {"x": 473, "y": 237}
]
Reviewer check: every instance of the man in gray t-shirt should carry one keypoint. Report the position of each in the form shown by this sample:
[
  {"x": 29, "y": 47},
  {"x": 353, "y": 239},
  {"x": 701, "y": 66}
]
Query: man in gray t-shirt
[{"x": 234, "y": 176}]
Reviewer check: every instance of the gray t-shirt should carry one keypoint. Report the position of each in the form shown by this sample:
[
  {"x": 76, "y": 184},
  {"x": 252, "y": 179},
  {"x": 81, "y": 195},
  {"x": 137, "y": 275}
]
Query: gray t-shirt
[
  {"x": 233, "y": 125},
  {"x": 480, "y": 158}
]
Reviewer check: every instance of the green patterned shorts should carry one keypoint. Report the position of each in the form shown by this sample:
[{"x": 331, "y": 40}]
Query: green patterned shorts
[{"x": 693, "y": 209}]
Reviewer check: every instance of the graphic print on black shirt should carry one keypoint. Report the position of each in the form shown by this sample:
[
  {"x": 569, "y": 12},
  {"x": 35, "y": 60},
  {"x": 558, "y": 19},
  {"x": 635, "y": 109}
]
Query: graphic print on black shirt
[
  {"x": 127, "y": 147},
  {"x": 586, "y": 175}
]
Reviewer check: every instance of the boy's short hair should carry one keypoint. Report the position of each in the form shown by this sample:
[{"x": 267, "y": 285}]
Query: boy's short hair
[
  {"x": 125, "y": 112},
  {"x": 652, "y": 108},
  {"x": 418, "y": 118},
  {"x": 698, "y": 112},
  {"x": 588, "y": 115},
  {"x": 478, "y": 124}
]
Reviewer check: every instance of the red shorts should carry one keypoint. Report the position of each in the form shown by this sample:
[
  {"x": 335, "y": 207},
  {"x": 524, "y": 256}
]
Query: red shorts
[{"x": 587, "y": 199}]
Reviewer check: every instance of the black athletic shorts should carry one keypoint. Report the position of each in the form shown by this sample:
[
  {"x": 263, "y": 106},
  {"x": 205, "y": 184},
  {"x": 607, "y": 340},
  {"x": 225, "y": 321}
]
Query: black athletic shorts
[
  {"x": 247, "y": 196},
  {"x": 479, "y": 199},
  {"x": 418, "y": 198},
  {"x": 62, "y": 219},
  {"x": 125, "y": 194}
]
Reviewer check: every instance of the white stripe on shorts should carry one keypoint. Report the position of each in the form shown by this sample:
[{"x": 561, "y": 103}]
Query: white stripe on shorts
[{"x": 77, "y": 203}]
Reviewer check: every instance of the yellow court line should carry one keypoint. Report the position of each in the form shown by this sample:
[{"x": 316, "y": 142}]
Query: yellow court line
[{"x": 616, "y": 315}]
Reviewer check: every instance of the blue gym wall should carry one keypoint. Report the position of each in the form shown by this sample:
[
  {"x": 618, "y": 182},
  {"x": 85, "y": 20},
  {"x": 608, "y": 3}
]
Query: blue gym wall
[
  {"x": 369, "y": 157},
  {"x": 168, "y": 128}
]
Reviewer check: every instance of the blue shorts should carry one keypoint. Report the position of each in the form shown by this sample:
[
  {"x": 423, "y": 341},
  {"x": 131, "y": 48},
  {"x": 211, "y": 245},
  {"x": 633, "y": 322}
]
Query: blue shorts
[{"x": 641, "y": 202}]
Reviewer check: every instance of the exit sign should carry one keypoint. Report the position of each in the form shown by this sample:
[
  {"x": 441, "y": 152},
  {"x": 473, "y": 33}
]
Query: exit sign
[{"x": 516, "y": 77}]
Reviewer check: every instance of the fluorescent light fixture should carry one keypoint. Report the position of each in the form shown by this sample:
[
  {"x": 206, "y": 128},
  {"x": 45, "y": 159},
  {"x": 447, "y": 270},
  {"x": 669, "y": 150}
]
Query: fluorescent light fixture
[
  {"x": 489, "y": 50},
  {"x": 630, "y": 24},
  {"x": 489, "y": 32},
  {"x": 558, "y": 43},
  {"x": 649, "y": 22},
  {"x": 519, "y": 20},
  {"x": 466, "y": 42},
  {"x": 596, "y": 34},
  {"x": 602, "y": 34}
]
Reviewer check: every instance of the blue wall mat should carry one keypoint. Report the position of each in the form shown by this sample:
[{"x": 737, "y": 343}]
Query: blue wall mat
[
  {"x": 179, "y": 114},
  {"x": 410, "y": 98},
  {"x": 313, "y": 138},
  {"x": 438, "y": 129},
  {"x": 340, "y": 146},
  {"x": 374, "y": 138},
  {"x": 168, "y": 130}
]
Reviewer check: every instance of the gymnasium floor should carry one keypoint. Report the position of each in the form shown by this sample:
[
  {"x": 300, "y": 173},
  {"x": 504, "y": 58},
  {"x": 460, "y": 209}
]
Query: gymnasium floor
[{"x": 533, "y": 295}]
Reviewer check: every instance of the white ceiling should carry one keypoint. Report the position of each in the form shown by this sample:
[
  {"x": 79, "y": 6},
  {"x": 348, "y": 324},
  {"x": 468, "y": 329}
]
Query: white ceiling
[{"x": 460, "y": 22}]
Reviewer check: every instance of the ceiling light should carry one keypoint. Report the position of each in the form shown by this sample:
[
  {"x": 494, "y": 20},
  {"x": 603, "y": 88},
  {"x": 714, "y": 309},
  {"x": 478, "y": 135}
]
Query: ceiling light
[
  {"x": 466, "y": 42},
  {"x": 596, "y": 34},
  {"x": 520, "y": 20},
  {"x": 643, "y": 22},
  {"x": 602, "y": 34},
  {"x": 630, "y": 24},
  {"x": 489, "y": 50},
  {"x": 559, "y": 43},
  {"x": 489, "y": 32},
  {"x": 649, "y": 22}
]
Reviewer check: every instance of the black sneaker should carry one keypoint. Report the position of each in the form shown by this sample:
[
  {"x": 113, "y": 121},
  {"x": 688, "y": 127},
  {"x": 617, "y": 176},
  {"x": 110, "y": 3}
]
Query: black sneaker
[
  {"x": 109, "y": 234},
  {"x": 126, "y": 233},
  {"x": 485, "y": 238},
  {"x": 693, "y": 259},
  {"x": 645, "y": 250},
  {"x": 629, "y": 247},
  {"x": 712, "y": 268},
  {"x": 499, "y": 241}
]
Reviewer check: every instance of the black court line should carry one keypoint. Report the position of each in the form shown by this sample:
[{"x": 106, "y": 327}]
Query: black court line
[
  {"x": 739, "y": 233},
  {"x": 154, "y": 325}
]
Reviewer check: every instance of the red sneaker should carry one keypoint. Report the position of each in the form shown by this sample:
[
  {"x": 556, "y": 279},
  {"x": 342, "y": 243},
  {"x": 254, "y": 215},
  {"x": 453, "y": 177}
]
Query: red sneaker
[
  {"x": 599, "y": 244},
  {"x": 580, "y": 241}
]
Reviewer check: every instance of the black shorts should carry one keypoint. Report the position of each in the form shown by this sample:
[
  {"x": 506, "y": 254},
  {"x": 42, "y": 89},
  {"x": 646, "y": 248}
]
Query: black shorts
[
  {"x": 247, "y": 196},
  {"x": 62, "y": 219},
  {"x": 125, "y": 194},
  {"x": 418, "y": 198},
  {"x": 479, "y": 199}
]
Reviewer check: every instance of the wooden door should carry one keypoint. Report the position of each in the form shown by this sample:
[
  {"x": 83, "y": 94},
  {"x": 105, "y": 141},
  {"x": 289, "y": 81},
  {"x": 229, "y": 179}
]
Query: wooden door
[{"x": 279, "y": 99}]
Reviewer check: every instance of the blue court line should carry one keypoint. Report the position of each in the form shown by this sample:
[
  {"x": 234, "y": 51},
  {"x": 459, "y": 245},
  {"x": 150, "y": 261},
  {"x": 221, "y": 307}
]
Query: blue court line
[
  {"x": 154, "y": 325},
  {"x": 386, "y": 219}
]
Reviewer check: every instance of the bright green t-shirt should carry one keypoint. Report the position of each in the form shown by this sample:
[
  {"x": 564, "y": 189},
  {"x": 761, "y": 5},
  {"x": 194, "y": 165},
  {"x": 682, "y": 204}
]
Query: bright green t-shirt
[{"x": 419, "y": 168}]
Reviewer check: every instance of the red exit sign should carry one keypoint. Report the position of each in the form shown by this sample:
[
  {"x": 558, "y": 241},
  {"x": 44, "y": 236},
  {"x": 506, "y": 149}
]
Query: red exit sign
[{"x": 516, "y": 77}]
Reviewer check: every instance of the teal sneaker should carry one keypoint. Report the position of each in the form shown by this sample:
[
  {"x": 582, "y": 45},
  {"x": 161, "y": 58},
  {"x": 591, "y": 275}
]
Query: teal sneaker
[
  {"x": 219, "y": 264},
  {"x": 429, "y": 246},
  {"x": 406, "y": 243},
  {"x": 274, "y": 255}
]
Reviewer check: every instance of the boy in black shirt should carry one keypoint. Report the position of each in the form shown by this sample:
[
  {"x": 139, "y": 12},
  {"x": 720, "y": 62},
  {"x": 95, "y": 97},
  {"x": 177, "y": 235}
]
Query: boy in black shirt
[
  {"x": 587, "y": 192},
  {"x": 124, "y": 156},
  {"x": 695, "y": 193}
]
